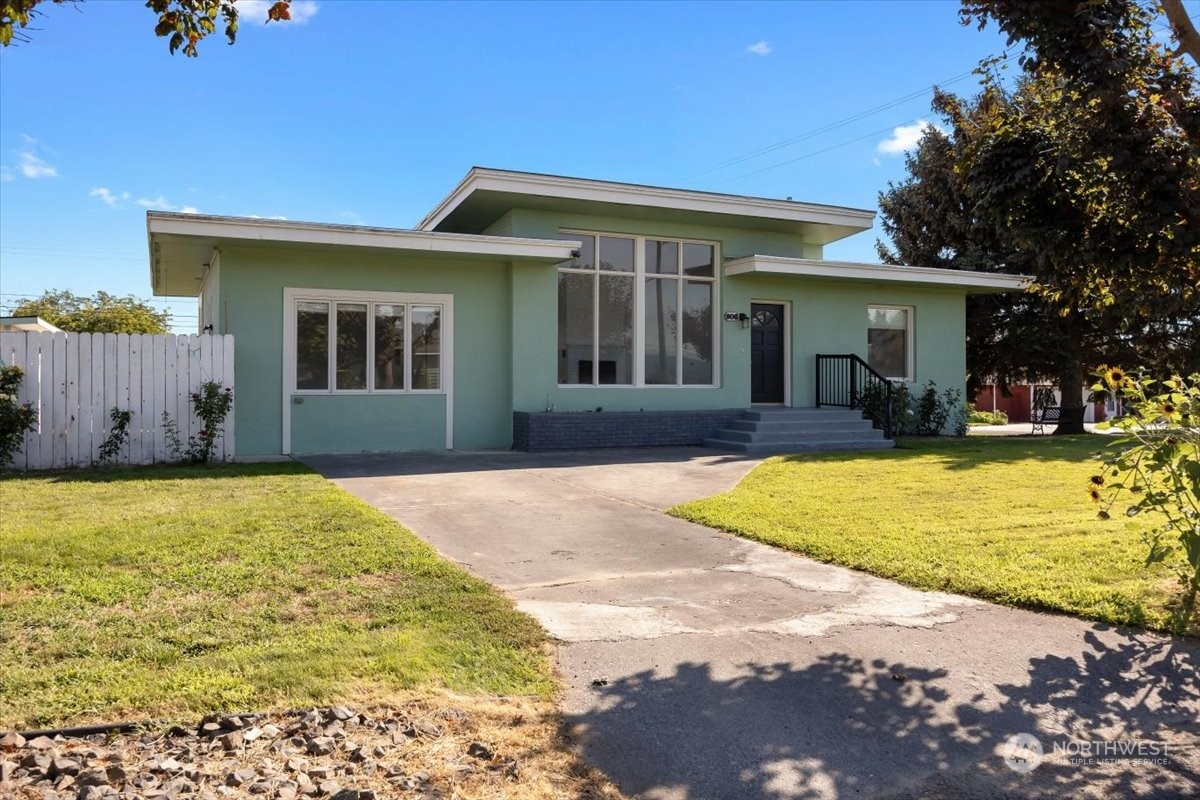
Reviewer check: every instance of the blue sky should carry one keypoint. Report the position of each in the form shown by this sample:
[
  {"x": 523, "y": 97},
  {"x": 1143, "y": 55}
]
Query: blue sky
[{"x": 370, "y": 112}]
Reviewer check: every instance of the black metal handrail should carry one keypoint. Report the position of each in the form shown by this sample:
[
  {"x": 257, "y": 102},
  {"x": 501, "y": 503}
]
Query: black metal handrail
[{"x": 847, "y": 381}]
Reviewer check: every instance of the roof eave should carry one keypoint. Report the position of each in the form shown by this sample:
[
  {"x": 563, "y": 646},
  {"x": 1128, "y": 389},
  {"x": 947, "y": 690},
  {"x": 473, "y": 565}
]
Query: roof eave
[
  {"x": 480, "y": 179},
  {"x": 218, "y": 231},
  {"x": 970, "y": 281}
]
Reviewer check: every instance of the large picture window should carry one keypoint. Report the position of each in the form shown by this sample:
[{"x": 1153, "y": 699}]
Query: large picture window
[
  {"x": 889, "y": 341},
  {"x": 637, "y": 311},
  {"x": 348, "y": 345}
]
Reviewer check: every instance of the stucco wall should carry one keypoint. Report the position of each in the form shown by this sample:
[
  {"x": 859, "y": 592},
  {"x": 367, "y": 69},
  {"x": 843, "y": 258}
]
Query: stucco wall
[
  {"x": 210, "y": 304},
  {"x": 251, "y": 289},
  {"x": 831, "y": 317},
  {"x": 506, "y": 334},
  {"x": 825, "y": 317}
]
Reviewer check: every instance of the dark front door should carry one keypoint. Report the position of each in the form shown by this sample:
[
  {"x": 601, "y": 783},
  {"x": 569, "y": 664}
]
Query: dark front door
[{"x": 766, "y": 353}]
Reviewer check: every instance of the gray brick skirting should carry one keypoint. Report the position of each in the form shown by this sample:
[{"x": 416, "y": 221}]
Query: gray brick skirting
[{"x": 579, "y": 430}]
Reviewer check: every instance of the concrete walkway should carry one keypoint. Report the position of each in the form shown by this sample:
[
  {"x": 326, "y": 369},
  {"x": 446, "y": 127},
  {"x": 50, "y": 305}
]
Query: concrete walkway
[{"x": 700, "y": 665}]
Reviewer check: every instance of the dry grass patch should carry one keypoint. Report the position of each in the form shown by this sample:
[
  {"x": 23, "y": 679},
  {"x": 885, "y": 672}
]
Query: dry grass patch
[{"x": 431, "y": 746}]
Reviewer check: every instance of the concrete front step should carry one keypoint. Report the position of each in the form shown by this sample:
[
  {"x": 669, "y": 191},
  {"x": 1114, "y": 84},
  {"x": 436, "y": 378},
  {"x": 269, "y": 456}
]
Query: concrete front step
[
  {"x": 781, "y": 414},
  {"x": 809, "y": 434},
  {"x": 796, "y": 446},
  {"x": 768, "y": 430},
  {"x": 832, "y": 425}
]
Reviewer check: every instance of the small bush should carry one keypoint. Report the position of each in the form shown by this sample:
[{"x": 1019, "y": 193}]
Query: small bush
[
  {"x": 977, "y": 417},
  {"x": 874, "y": 401},
  {"x": 118, "y": 435},
  {"x": 931, "y": 413},
  {"x": 211, "y": 405},
  {"x": 939, "y": 411},
  {"x": 15, "y": 418}
]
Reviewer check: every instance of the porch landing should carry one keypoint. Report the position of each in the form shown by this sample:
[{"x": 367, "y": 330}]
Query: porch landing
[{"x": 771, "y": 430}]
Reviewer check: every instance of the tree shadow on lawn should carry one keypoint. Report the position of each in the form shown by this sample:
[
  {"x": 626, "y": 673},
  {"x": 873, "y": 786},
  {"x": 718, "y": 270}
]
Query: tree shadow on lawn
[
  {"x": 969, "y": 452},
  {"x": 842, "y": 727}
]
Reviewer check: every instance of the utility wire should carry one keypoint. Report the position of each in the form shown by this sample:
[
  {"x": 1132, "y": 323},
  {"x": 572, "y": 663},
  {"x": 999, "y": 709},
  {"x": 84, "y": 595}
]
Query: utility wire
[
  {"x": 815, "y": 132},
  {"x": 1006, "y": 55},
  {"x": 832, "y": 126},
  {"x": 813, "y": 154}
]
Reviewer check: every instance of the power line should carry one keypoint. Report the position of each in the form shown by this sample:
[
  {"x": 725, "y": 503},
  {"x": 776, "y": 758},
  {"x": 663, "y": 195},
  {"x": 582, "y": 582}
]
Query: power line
[
  {"x": 1005, "y": 55},
  {"x": 832, "y": 126},
  {"x": 70, "y": 256},
  {"x": 815, "y": 132},
  {"x": 814, "y": 153},
  {"x": 60, "y": 248}
]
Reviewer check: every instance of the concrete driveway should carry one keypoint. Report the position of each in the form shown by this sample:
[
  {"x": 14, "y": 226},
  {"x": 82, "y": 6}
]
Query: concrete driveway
[{"x": 700, "y": 665}]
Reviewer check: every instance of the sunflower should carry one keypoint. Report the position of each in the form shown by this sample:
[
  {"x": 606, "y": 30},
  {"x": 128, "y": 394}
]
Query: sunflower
[
  {"x": 1116, "y": 378},
  {"x": 1094, "y": 493},
  {"x": 1097, "y": 480},
  {"x": 1168, "y": 410}
]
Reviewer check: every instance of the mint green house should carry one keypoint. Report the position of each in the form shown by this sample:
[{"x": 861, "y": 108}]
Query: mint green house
[{"x": 659, "y": 315}]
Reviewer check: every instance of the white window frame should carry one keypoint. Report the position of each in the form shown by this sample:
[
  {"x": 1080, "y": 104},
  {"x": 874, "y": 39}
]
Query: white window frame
[
  {"x": 639, "y": 276},
  {"x": 292, "y": 296},
  {"x": 910, "y": 342}
]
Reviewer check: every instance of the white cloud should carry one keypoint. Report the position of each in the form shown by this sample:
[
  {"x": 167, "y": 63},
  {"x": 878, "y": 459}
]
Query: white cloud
[
  {"x": 350, "y": 217},
  {"x": 255, "y": 11},
  {"x": 903, "y": 139},
  {"x": 110, "y": 198},
  {"x": 30, "y": 163},
  {"x": 260, "y": 216},
  {"x": 160, "y": 203},
  {"x": 762, "y": 48}
]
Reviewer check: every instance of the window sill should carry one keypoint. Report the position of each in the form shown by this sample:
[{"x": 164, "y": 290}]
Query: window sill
[{"x": 364, "y": 392}]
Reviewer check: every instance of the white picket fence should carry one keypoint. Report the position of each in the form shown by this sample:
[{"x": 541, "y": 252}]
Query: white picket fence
[{"x": 74, "y": 380}]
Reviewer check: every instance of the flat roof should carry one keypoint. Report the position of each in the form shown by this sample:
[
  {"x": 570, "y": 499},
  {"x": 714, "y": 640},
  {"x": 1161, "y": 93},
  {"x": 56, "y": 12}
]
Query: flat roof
[
  {"x": 972, "y": 281},
  {"x": 181, "y": 245},
  {"x": 28, "y": 324},
  {"x": 485, "y": 194}
]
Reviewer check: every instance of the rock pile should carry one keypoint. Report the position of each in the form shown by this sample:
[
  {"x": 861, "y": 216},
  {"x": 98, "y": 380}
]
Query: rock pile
[{"x": 334, "y": 753}]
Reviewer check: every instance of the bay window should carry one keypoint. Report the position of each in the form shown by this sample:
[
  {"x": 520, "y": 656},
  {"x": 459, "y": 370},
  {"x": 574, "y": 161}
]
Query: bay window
[{"x": 636, "y": 311}]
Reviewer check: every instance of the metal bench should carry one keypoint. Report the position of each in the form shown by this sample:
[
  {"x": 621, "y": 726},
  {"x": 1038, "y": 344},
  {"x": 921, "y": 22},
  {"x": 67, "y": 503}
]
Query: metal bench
[{"x": 1041, "y": 416}]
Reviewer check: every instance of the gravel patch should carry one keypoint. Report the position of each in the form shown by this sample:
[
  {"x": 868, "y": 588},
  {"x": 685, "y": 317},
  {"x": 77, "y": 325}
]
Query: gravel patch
[{"x": 426, "y": 749}]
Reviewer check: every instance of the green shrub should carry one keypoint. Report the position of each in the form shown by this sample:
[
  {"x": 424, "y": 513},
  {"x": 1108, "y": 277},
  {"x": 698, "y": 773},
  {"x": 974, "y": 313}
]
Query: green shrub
[
  {"x": 118, "y": 435},
  {"x": 935, "y": 413},
  {"x": 15, "y": 418},
  {"x": 210, "y": 405},
  {"x": 874, "y": 402},
  {"x": 977, "y": 417}
]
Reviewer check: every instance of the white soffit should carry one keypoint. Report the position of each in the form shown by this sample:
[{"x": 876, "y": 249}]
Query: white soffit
[
  {"x": 558, "y": 191},
  {"x": 181, "y": 245},
  {"x": 976, "y": 282}
]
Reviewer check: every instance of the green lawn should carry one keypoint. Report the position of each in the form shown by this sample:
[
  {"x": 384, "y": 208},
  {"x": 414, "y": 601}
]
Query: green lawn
[
  {"x": 166, "y": 592},
  {"x": 1004, "y": 519}
]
